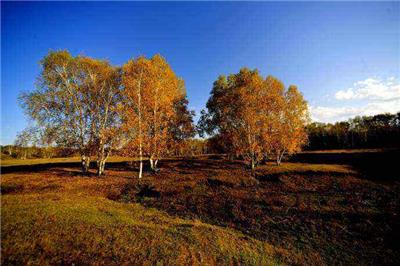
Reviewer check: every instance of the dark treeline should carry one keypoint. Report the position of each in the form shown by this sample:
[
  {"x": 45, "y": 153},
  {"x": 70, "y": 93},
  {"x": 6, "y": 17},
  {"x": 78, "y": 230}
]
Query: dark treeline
[
  {"x": 379, "y": 131},
  {"x": 190, "y": 147},
  {"x": 35, "y": 152}
]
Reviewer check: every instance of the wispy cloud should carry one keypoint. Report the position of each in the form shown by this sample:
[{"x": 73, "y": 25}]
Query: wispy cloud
[{"x": 376, "y": 96}]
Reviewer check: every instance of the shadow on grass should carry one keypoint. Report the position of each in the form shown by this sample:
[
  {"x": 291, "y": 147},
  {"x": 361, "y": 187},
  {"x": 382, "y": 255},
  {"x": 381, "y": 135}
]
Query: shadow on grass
[
  {"x": 274, "y": 177},
  {"x": 376, "y": 166},
  {"x": 11, "y": 188},
  {"x": 77, "y": 165}
]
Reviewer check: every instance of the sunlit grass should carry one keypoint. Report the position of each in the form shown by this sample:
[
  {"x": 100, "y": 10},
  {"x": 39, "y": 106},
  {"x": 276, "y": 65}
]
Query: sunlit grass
[
  {"x": 207, "y": 212},
  {"x": 14, "y": 162},
  {"x": 48, "y": 218},
  {"x": 55, "y": 228},
  {"x": 288, "y": 167},
  {"x": 346, "y": 151}
]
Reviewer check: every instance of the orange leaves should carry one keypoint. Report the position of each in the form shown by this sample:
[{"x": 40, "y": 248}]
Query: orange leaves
[
  {"x": 150, "y": 90},
  {"x": 92, "y": 104},
  {"x": 255, "y": 116}
]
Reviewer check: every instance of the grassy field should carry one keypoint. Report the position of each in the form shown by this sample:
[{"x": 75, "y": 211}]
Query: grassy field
[
  {"x": 115, "y": 159},
  {"x": 201, "y": 211}
]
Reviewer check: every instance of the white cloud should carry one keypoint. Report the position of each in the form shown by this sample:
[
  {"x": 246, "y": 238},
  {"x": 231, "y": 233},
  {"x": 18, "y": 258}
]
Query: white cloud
[
  {"x": 371, "y": 88},
  {"x": 378, "y": 96},
  {"x": 331, "y": 114},
  {"x": 345, "y": 95}
]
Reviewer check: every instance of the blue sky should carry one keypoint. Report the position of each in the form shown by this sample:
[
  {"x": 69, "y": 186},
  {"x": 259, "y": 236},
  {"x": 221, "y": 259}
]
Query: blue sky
[{"x": 344, "y": 57}]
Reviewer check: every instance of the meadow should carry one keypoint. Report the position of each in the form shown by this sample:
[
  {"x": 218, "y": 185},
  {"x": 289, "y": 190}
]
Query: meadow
[{"x": 320, "y": 208}]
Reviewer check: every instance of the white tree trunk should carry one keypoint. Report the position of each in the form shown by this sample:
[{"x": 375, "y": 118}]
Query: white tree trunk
[
  {"x": 9, "y": 150},
  {"x": 253, "y": 164},
  {"x": 99, "y": 172},
  {"x": 85, "y": 160},
  {"x": 140, "y": 167},
  {"x": 279, "y": 157},
  {"x": 102, "y": 168},
  {"x": 140, "y": 126},
  {"x": 100, "y": 165},
  {"x": 151, "y": 163}
]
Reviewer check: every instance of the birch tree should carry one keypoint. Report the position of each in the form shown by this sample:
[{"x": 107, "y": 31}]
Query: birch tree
[
  {"x": 235, "y": 113},
  {"x": 151, "y": 91},
  {"x": 165, "y": 90},
  {"x": 135, "y": 77},
  {"x": 181, "y": 127},
  {"x": 246, "y": 117},
  {"x": 59, "y": 102},
  {"x": 101, "y": 82},
  {"x": 273, "y": 114},
  {"x": 292, "y": 127},
  {"x": 74, "y": 98},
  {"x": 24, "y": 139},
  {"x": 214, "y": 121},
  {"x": 255, "y": 117}
]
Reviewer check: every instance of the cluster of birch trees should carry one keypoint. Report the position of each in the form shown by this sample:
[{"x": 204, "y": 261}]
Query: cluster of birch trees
[
  {"x": 94, "y": 107},
  {"x": 253, "y": 118},
  {"x": 141, "y": 109}
]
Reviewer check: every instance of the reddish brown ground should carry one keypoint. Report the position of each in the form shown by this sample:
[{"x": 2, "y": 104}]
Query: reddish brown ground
[{"x": 328, "y": 213}]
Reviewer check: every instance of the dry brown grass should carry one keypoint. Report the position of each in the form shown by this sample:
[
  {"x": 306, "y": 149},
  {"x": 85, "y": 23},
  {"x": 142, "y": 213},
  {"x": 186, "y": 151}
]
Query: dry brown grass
[
  {"x": 200, "y": 211},
  {"x": 15, "y": 162},
  {"x": 58, "y": 216}
]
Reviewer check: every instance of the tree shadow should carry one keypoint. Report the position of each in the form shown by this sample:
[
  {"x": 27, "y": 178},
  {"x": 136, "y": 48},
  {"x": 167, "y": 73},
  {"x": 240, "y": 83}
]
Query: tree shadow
[
  {"x": 274, "y": 177},
  {"x": 375, "y": 166},
  {"x": 199, "y": 164},
  {"x": 73, "y": 167}
]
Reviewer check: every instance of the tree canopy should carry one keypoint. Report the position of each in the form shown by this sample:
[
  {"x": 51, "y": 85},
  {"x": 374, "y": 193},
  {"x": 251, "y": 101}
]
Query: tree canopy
[
  {"x": 141, "y": 108},
  {"x": 91, "y": 106},
  {"x": 254, "y": 117}
]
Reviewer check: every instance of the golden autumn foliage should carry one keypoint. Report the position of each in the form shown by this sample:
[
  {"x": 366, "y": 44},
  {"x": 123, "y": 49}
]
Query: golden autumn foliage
[
  {"x": 75, "y": 101},
  {"x": 91, "y": 106},
  {"x": 292, "y": 127},
  {"x": 255, "y": 117},
  {"x": 201, "y": 210},
  {"x": 150, "y": 92}
]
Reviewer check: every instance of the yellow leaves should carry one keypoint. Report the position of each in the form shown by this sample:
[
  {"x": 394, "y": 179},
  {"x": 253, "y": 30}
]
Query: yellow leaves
[
  {"x": 256, "y": 116},
  {"x": 150, "y": 89}
]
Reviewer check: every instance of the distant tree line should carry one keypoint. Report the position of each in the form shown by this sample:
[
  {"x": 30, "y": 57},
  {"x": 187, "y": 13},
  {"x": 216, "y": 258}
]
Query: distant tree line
[
  {"x": 34, "y": 152},
  {"x": 379, "y": 131},
  {"x": 191, "y": 147}
]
